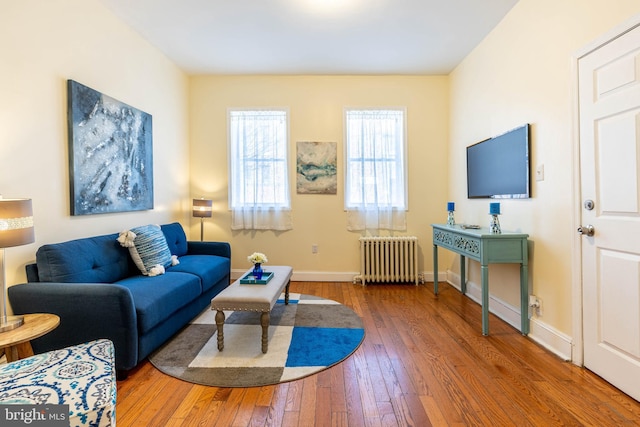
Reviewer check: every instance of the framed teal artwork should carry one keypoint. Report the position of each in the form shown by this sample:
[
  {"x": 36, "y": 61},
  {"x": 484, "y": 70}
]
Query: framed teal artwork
[{"x": 316, "y": 167}]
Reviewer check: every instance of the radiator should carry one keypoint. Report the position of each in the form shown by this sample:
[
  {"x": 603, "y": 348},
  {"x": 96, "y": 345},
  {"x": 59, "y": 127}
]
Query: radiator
[{"x": 388, "y": 259}]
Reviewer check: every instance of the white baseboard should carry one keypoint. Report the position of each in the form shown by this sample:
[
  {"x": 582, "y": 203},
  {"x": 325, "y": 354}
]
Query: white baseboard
[
  {"x": 428, "y": 276},
  {"x": 548, "y": 337}
]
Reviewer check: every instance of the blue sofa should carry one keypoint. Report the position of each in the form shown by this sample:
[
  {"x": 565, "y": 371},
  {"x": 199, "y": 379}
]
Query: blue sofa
[{"x": 98, "y": 292}]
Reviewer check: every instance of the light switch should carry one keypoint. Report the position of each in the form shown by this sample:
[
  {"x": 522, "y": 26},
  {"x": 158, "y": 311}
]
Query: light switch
[{"x": 540, "y": 173}]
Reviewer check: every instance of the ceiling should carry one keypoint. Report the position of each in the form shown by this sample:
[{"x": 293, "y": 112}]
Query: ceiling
[{"x": 427, "y": 37}]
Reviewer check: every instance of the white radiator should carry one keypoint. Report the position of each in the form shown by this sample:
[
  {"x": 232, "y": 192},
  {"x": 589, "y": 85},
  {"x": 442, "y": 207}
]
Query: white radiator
[{"x": 388, "y": 259}]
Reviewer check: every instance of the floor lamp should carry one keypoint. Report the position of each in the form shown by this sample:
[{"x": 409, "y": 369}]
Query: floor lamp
[
  {"x": 202, "y": 210},
  {"x": 16, "y": 229}
]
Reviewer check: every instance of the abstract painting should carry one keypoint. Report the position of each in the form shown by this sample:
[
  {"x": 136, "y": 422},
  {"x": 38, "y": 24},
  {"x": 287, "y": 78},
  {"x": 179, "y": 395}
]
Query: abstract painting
[
  {"x": 316, "y": 165},
  {"x": 110, "y": 153}
]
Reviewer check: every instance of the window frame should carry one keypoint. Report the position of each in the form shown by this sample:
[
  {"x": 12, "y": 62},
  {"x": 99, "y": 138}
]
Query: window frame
[
  {"x": 350, "y": 205},
  {"x": 286, "y": 204}
]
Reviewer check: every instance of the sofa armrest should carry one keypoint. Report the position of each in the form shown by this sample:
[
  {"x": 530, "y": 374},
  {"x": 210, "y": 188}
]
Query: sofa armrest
[
  {"x": 87, "y": 311},
  {"x": 222, "y": 249}
]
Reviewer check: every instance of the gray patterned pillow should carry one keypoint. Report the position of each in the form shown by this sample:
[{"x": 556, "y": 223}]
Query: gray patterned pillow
[{"x": 148, "y": 249}]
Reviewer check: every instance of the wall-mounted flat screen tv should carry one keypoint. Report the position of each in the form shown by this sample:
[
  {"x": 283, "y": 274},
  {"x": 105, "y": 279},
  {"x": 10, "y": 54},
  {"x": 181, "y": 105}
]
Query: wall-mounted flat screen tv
[{"x": 499, "y": 167}]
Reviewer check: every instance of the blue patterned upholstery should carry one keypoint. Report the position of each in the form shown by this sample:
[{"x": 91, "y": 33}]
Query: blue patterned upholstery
[{"x": 81, "y": 376}]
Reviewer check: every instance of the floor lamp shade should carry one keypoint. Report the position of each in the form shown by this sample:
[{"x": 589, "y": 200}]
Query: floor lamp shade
[
  {"x": 16, "y": 229},
  {"x": 202, "y": 208}
]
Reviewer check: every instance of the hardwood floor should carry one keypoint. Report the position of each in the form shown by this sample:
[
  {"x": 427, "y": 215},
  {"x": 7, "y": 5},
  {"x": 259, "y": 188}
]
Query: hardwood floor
[{"x": 423, "y": 362}]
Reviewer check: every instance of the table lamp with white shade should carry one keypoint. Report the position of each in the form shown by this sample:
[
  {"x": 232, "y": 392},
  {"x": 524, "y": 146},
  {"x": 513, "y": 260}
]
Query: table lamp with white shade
[{"x": 16, "y": 229}]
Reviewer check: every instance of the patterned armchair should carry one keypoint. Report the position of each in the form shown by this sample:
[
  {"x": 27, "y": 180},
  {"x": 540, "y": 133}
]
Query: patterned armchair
[{"x": 81, "y": 376}]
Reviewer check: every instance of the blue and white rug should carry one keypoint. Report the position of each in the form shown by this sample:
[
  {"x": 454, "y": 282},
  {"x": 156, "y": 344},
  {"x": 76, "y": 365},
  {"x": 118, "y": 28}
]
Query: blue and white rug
[{"x": 305, "y": 337}]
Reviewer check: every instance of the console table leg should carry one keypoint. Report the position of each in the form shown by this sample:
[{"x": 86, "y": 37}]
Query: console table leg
[
  {"x": 220, "y": 327},
  {"x": 463, "y": 274},
  {"x": 264, "y": 321},
  {"x": 524, "y": 299},
  {"x": 435, "y": 269},
  {"x": 485, "y": 299}
]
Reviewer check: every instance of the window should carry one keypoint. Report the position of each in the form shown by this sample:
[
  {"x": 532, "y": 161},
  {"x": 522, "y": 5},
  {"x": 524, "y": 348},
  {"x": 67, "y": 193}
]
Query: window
[
  {"x": 259, "y": 180},
  {"x": 376, "y": 191}
]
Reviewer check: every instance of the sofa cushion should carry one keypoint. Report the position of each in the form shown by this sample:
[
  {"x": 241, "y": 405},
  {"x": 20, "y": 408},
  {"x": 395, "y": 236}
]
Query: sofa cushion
[
  {"x": 156, "y": 298},
  {"x": 176, "y": 239},
  {"x": 148, "y": 248},
  {"x": 97, "y": 259},
  {"x": 210, "y": 268}
]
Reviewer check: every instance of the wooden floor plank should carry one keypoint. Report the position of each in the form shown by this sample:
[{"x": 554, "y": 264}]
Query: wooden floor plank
[
  {"x": 247, "y": 407},
  {"x": 424, "y": 361},
  {"x": 231, "y": 407},
  {"x": 322, "y": 408},
  {"x": 308, "y": 410},
  {"x": 275, "y": 415},
  {"x": 355, "y": 414}
]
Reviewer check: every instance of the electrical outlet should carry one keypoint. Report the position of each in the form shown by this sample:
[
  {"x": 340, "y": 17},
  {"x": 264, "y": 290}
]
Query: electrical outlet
[
  {"x": 536, "y": 304},
  {"x": 314, "y": 249}
]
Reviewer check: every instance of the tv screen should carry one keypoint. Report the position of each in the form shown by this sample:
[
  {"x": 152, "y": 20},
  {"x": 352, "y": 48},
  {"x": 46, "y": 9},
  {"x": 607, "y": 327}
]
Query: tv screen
[{"x": 499, "y": 167}]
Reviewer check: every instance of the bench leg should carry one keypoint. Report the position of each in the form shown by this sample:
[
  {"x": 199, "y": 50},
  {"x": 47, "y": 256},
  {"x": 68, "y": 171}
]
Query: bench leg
[
  {"x": 286, "y": 293},
  {"x": 220, "y": 326},
  {"x": 264, "y": 321}
]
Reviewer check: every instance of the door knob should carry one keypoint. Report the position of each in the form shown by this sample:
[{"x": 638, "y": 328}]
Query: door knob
[{"x": 586, "y": 230}]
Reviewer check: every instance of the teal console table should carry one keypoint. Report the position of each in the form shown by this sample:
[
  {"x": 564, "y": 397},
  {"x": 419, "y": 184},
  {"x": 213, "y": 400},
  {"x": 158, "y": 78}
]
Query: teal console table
[{"x": 486, "y": 248}]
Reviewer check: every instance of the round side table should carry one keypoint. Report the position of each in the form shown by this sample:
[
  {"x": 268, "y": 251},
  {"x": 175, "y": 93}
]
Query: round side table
[{"x": 17, "y": 342}]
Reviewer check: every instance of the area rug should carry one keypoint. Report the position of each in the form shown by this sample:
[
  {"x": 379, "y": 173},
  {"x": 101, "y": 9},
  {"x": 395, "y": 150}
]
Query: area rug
[{"x": 305, "y": 337}]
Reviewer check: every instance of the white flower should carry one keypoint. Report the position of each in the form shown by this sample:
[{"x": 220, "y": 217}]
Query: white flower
[{"x": 257, "y": 258}]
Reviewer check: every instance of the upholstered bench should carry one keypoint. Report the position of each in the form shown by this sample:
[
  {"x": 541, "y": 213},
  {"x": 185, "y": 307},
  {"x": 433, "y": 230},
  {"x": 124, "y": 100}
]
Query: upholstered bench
[
  {"x": 81, "y": 376},
  {"x": 249, "y": 297}
]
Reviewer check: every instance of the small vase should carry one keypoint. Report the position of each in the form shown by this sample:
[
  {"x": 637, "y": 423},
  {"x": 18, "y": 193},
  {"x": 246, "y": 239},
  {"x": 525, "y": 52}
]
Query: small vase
[
  {"x": 494, "y": 224},
  {"x": 257, "y": 271},
  {"x": 451, "y": 219}
]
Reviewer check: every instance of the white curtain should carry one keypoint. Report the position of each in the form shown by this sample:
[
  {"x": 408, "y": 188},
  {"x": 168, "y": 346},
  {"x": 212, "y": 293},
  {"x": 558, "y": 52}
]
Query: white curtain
[
  {"x": 374, "y": 219},
  {"x": 261, "y": 219},
  {"x": 259, "y": 186},
  {"x": 375, "y": 195}
]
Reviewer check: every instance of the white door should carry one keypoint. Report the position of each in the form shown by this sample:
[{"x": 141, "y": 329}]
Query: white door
[{"x": 609, "y": 103}]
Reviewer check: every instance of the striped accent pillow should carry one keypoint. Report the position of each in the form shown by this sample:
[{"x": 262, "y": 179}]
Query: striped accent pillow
[{"x": 150, "y": 249}]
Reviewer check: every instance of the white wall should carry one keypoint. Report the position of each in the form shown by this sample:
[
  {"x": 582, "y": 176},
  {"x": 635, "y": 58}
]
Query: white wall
[
  {"x": 521, "y": 73},
  {"x": 44, "y": 43}
]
